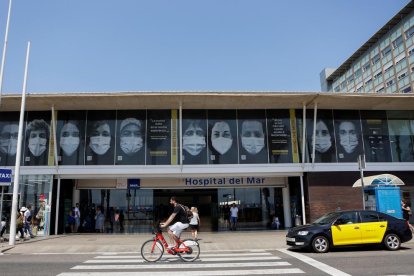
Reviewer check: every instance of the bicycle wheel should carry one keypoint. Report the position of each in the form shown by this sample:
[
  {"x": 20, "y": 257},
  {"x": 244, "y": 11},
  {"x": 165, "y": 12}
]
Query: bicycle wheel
[
  {"x": 152, "y": 251},
  {"x": 193, "y": 252}
]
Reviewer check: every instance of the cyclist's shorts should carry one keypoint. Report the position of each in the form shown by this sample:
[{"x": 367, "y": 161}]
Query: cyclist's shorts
[{"x": 178, "y": 227}]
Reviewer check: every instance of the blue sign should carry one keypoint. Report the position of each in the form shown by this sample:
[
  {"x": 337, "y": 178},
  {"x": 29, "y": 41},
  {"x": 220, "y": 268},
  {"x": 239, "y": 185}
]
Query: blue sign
[
  {"x": 5, "y": 177},
  {"x": 134, "y": 184}
]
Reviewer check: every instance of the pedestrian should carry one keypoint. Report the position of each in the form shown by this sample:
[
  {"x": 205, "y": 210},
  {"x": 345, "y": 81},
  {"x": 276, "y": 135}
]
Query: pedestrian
[
  {"x": 275, "y": 223},
  {"x": 121, "y": 221},
  {"x": 406, "y": 209},
  {"x": 70, "y": 222},
  {"x": 194, "y": 223},
  {"x": 77, "y": 217},
  {"x": 20, "y": 224},
  {"x": 99, "y": 220},
  {"x": 234, "y": 211},
  {"x": 2, "y": 227},
  {"x": 226, "y": 215},
  {"x": 27, "y": 220}
]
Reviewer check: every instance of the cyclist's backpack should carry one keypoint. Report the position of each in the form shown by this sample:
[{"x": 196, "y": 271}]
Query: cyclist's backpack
[{"x": 187, "y": 211}]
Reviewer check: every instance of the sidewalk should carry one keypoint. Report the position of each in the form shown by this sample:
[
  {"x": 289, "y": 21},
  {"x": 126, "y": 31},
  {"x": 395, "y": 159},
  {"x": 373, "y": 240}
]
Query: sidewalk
[{"x": 107, "y": 243}]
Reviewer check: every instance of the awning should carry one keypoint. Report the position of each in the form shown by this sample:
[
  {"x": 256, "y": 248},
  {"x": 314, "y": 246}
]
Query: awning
[{"x": 381, "y": 179}]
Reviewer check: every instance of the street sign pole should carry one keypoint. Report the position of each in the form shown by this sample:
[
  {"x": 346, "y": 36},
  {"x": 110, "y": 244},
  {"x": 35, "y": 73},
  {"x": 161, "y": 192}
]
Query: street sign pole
[{"x": 361, "y": 165}]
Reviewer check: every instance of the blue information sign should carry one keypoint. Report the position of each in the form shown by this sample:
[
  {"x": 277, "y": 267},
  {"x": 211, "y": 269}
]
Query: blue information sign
[
  {"x": 5, "y": 177},
  {"x": 134, "y": 184}
]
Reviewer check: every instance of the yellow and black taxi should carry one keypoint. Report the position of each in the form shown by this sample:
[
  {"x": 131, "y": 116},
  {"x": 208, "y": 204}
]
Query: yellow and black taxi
[{"x": 356, "y": 227}]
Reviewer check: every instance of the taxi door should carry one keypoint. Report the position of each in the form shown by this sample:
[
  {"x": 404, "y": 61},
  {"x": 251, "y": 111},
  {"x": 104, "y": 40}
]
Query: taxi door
[
  {"x": 372, "y": 227},
  {"x": 346, "y": 230}
]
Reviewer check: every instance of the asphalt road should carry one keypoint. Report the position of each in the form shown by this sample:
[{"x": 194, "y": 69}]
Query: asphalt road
[{"x": 262, "y": 253}]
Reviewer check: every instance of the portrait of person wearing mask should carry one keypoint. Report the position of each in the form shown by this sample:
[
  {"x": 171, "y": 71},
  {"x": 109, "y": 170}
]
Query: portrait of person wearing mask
[
  {"x": 131, "y": 141},
  {"x": 222, "y": 146},
  {"x": 253, "y": 142},
  {"x": 194, "y": 143},
  {"x": 37, "y": 143},
  {"x": 324, "y": 146},
  {"x": 349, "y": 142},
  {"x": 100, "y": 143},
  {"x": 8, "y": 144},
  {"x": 69, "y": 143}
]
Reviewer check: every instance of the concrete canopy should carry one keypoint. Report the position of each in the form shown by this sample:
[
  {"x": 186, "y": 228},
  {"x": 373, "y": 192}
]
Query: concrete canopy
[
  {"x": 208, "y": 100},
  {"x": 380, "y": 179}
]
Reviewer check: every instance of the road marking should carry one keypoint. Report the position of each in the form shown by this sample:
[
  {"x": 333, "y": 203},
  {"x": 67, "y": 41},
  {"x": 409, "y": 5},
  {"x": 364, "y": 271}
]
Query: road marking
[
  {"x": 201, "y": 255},
  {"x": 182, "y": 265},
  {"x": 321, "y": 266},
  {"x": 212, "y": 259},
  {"x": 270, "y": 271}
]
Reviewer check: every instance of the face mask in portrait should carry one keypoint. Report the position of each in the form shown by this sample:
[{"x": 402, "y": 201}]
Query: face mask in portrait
[
  {"x": 348, "y": 137},
  {"x": 221, "y": 144},
  {"x": 8, "y": 139},
  {"x": 131, "y": 145},
  {"x": 37, "y": 142},
  {"x": 194, "y": 141},
  {"x": 252, "y": 137},
  {"x": 69, "y": 139},
  {"x": 221, "y": 138},
  {"x": 99, "y": 144},
  {"x": 322, "y": 138},
  {"x": 252, "y": 145}
]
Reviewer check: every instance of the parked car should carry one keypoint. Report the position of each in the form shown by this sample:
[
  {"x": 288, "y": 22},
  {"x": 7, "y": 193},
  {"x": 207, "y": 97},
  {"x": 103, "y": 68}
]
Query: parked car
[{"x": 344, "y": 228}]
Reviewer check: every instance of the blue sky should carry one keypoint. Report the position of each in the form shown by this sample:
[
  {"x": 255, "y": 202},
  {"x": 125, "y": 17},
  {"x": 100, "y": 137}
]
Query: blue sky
[{"x": 177, "y": 45}]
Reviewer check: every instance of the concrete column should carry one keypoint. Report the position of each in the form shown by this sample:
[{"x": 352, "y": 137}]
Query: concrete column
[
  {"x": 286, "y": 207},
  {"x": 76, "y": 196}
]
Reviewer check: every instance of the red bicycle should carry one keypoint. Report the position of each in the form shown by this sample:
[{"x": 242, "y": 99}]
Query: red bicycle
[{"x": 152, "y": 250}]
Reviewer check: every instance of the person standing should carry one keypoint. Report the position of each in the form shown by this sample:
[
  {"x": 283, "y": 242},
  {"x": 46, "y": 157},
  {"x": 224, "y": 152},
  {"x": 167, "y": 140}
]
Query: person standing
[
  {"x": 77, "y": 217},
  {"x": 234, "y": 211},
  {"x": 194, "y": 223},
  {"x": 406, "y": 209}
]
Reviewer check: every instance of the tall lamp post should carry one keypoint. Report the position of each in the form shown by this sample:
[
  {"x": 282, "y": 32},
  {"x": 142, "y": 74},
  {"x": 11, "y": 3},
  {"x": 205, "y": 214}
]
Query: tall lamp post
[{"x": 12, "y": 239}]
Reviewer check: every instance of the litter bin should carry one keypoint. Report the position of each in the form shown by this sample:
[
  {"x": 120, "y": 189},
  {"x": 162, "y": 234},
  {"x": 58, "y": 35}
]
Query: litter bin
[{"x": 298, "y": 220}]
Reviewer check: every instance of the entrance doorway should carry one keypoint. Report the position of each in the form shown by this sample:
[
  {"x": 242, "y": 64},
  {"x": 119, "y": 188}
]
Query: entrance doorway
[{"x": 204, "y": 199}]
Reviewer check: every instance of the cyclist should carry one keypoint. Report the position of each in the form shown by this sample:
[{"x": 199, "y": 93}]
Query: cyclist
[{"x": 179, "y": 217}]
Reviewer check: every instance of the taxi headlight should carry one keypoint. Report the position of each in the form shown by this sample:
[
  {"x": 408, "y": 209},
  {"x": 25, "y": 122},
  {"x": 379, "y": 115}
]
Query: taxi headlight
[{"x": 303, "y": 233}]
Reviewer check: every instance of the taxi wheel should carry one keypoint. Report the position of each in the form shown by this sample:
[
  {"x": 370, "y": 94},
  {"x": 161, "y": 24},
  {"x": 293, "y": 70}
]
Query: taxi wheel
[
  {"x": 392, "y": 242},
  {"x": 320, "y": 244}
]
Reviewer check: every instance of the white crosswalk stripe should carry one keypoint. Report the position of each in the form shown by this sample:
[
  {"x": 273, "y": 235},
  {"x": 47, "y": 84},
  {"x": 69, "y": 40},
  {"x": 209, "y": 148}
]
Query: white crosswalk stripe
[{"x": 250, "y": 263}]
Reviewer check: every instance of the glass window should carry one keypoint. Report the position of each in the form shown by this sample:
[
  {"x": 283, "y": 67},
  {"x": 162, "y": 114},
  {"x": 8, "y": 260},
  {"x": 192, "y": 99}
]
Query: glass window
[
  {"x": 9, "y": 131},
  {"x": 401, "y": 135},
  {"x": 397, "y": 42},
  {"x": 222, "y": 136},
  {"x": 375, "y": 59},
  {"x": 100, "y": 139},
  {"x": 130, "y": 142},
  {"x": 252, "y": 136},
  {"x": 358, "y": 73},
  {"x": 386, "y": 51},
  {"x": 369, "y": 216},
  {"x": 409, "y": 33},
  {"x": 366, "y": 66}
]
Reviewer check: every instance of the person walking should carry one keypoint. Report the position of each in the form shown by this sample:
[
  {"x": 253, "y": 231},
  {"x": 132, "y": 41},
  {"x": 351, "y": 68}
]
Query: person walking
[
  {"x": 194, "y": 223},
  {"x": 234, "y": 211},
  {"x": 27, "y": 213}
]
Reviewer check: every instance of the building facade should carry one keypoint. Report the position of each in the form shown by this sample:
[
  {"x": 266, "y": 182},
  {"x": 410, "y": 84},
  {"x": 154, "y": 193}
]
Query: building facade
[
  {"x": 127, "y": 153},
  {"x": 384, "y": 64}
]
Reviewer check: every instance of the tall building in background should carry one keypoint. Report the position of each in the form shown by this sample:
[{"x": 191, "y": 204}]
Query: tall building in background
[{"x": 383, "y": 64}]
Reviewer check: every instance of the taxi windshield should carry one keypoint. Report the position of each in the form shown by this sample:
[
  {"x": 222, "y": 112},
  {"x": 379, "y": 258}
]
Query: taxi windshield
[{"x": 327, "y": 218}]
